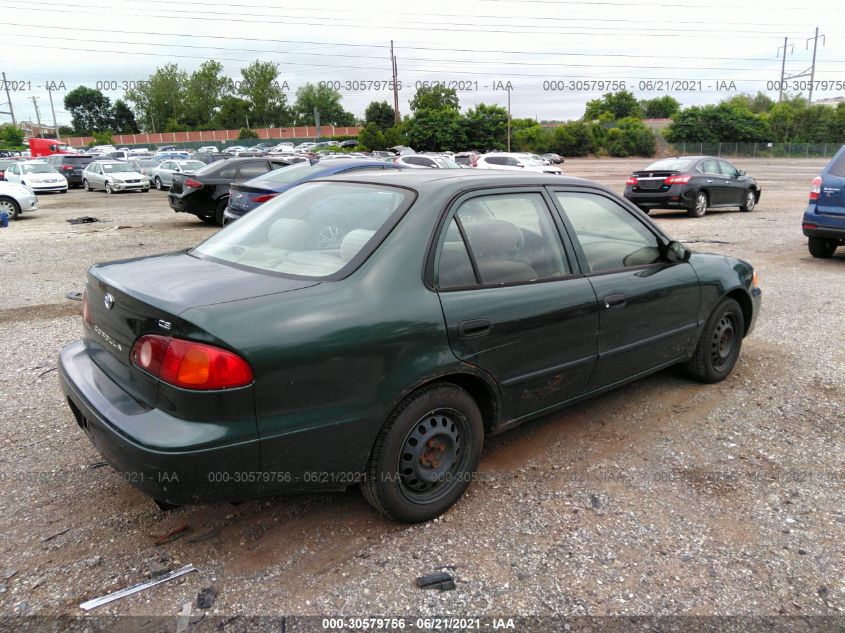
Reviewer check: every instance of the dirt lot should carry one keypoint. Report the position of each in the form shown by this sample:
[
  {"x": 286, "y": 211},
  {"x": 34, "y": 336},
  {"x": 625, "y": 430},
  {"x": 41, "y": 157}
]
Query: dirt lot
[{"x": 665, "y": 497}]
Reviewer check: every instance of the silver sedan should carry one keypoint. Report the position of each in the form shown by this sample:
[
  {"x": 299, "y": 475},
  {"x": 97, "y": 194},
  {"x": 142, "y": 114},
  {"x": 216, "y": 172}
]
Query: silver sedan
[
  {"x": 15, "y": 199},
  {"x": 162, "y": 175}
]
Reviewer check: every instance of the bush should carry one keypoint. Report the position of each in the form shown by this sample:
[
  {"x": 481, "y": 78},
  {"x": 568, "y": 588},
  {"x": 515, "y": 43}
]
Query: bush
[
  {"x": 103, "y": 138},
  {"x": 247, "y": 133},
  {"x": 573, "y": 139}
]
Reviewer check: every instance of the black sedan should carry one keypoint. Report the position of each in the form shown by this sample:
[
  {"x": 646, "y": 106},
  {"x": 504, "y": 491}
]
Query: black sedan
[
  {"x": 244, "y": 197},
  {"x": 205, "y": 193},
  {"x": 455, "y": 306},
  {"x": 694, "y": 183}
]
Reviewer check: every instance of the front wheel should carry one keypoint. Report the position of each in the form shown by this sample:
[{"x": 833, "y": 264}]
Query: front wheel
[
  {"x": 699, "y": 205},
  {"x": 158, "y": 183},
  {"x": 219, "y": 209},
  {"x": 720, "y": 343},
  {"x": 821, "y": 248},
  {"x": 425, "y": 455},
  {"x": 750, "y": 201},
  {"x": 10, "y": 207},
  {"x": 86, "y": 186},
  {"x": 109, "y": 190}
]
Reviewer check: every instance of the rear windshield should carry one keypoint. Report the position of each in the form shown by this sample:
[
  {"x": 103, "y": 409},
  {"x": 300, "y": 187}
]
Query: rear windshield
[
  {"x": 671, "y": 164},
  {"x": 289, "y": 174},
  {"x": 315, "y": 230},
  {"x": 78, "y": 160},
  {"x": 837, "y": 165}
]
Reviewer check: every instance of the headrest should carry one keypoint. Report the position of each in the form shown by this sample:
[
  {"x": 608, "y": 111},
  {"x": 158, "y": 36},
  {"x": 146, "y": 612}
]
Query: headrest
[
  {"x": 353, "y": 242},
  {"x": 493, "y": 238}
]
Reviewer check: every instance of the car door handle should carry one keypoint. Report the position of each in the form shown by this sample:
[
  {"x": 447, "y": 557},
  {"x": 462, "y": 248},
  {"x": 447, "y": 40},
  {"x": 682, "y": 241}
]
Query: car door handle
[
  {"x": 614, "y": 302},
  {"x": 474, "y": 327}
]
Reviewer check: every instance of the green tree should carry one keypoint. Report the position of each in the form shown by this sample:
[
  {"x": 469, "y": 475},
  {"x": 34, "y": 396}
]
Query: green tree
[
  {"x": 434, "y": 130},
  {"x": 160, "y": 100},
  {"x": 233, "y": 113},
  {"x": 123, "y": 119},
  {"x": 10, "y": 135},
  {"x": 532, "y": 138},
  {"x": 486, "y": 127},
  {"x": 725, "y": 122},
  {"x": 326, "y": 101},
  {"x": 436, "y": 97},
  {"x": 619, "y": 105},
  {"x": 260, "y": 88},
  {"x": 90, "y": 110},
  {"x": 246, "y": 133},
  {"x": 371, "y": 137},
  {"x": 204, "y": 93},
  {"x": 573, "y": 139},
  {"x": 381, "y": 114},
  {"x": 660, "y": 107},
  {"x": 103, "y": 138}
]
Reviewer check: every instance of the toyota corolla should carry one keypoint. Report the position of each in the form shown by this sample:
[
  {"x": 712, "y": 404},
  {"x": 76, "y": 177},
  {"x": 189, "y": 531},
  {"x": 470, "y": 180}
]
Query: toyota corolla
[{"x": 454, "y": 306}]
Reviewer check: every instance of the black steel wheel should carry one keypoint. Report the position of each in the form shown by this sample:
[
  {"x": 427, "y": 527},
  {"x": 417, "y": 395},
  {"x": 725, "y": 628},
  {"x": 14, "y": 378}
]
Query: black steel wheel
[{"x": 720, "y": 343}]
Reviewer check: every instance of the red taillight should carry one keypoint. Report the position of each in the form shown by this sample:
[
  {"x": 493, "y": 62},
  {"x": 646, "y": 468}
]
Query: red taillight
[
  {"x": 264, "y": 197},
  {"x": 67, "y": 167},
  {"x": 632, "y": 181},
  {"x": 677, "y": 179},
  {"x": 816, "y": 188},
  {"x": 189, "y": 364},
  {"x": 194, "y": 184},
  {"x": 86, "y": 308}
]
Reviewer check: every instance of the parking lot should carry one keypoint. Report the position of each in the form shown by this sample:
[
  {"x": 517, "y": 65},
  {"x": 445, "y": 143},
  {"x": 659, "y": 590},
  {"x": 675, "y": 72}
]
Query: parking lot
[{"x": 665, "y": 497}]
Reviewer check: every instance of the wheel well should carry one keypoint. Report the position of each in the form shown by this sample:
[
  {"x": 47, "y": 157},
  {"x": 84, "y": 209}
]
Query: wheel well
[
  {"x": 480, "y": 391},
  {"x": 744, "y": 301}
]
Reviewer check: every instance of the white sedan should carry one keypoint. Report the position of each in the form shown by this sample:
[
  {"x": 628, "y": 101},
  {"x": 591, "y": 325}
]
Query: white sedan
[
  {"x": 162, "y": 174},
  {"x": 515, "y": 162},
  {"x": 37, "y": 175},
  {"x": 15, "y": 199}
]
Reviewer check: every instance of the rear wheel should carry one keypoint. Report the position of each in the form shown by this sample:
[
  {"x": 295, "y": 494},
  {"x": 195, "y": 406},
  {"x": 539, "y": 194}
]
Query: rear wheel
[
  {"x": 86, "y": 186},
  {"x": 158, "y": 183},
  {"x": 750, "y": 201},
  {"x": 10, "y": 207},
  {"x": 219, "y": 208},
  {"x": 821, "y": 248},
  {"x": 720, "y": 343},
  {"x": 425, "y": 455},
  {"x": 699, "y": 205}
]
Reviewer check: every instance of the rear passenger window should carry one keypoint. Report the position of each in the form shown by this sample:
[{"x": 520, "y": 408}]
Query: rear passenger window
[
  {"x": 512, "y": 238},
  {"x": 251, "y": 170},
  {"x": 837, "y": 166},
  {"x": 454, "y": 269},
  {"x": 228, "y": 171},
  {"x": 710, "y": 167}
]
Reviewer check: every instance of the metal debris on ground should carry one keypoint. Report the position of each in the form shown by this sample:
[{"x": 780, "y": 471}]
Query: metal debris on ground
[
  {"x": 205, "y": 598},
  {"x": 98, "y": 465},
  {"x": 184, "y": 618},
  {"x": 204, "y": 536},
  {"x": 440, "y": 580},
  {"x": 172, "y": 535},
  {"x": 85, "y": 219},
  {"x": 74, "y": 296},
  {"x": 96, "y": 602},
  {"x": 52, "y": 536}
]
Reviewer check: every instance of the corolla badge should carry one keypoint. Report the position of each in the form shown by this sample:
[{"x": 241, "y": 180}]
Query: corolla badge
[{"x": 108, "y": 300}]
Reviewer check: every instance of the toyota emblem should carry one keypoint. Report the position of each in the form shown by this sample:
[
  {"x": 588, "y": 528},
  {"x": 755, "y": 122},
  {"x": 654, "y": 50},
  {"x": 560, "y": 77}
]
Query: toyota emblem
[{"x": 108, "y": 300}]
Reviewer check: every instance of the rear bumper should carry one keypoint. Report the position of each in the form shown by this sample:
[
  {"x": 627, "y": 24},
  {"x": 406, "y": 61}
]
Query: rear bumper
[
  {"x": 673, "y": 198},
  {"x": 167, "y": 458},
  {"x": 823, "y": 225}
]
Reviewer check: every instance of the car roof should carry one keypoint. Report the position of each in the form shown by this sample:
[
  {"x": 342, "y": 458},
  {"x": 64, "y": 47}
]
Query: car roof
[{"x": 460, "y": 178}]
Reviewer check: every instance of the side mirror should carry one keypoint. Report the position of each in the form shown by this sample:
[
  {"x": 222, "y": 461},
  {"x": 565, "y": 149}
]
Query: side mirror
[
  {"x": 677, "y": 252},
  {"x": 740, "y": 172}
]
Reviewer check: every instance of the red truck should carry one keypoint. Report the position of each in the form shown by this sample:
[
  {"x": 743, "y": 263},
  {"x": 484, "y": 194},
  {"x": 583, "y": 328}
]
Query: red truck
[{"x": 47, "y": 147}]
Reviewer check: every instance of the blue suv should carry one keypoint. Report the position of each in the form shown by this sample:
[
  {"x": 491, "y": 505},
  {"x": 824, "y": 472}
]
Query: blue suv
[{"x": 824, "y": 219}]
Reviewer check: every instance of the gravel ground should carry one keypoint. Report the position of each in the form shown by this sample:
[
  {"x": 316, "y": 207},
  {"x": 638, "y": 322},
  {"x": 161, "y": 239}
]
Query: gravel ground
[{"x": 663, "y": 498}]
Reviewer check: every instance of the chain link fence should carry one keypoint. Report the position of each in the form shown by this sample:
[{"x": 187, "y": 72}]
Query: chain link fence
[{"x": 755, "y": 150}]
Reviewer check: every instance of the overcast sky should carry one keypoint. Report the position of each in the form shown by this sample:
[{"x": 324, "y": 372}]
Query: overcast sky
[{"x": 697, "y": 46}]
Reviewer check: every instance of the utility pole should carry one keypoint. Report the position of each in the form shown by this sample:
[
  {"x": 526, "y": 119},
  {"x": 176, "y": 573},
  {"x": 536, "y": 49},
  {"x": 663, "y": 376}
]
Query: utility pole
[
  {"x": 395, "y": 85},
  {"x": 509, "y": 119},
  {"x": 813, "y": 67},
  {"x": 782, "y": 69},
  {"x": 37, "y": 115},
  {"x": 53, "y": 110},
  {"x": 9, "y": 101}
]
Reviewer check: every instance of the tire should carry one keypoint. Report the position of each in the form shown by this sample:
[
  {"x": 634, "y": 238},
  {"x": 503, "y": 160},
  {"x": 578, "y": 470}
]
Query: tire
[
  {"x": 821, "y": 248},
  {"x": 109, "y": 190},
  {"x": 63, "y": 191},
  {"x": 10, "y": 207},
  {"x": 207, "y": 219},
  {"x": 219, "y": 208},
  {"x": 410, "y": 478},
  {"x": 720, "y": 343},
  {"x": 86, "y": 186},
  {"x": 699, "y": 205},
  {"x": 157, "y": 183},
  {"x": 646, "y": 210},
  {"x": 750, "y": 201}
]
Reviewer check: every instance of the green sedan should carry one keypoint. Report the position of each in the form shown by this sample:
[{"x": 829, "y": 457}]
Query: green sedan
[{"x": 375, "y": 329}]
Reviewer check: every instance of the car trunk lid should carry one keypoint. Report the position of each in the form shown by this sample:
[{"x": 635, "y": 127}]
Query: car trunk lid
[
  {"x": 653, "y": 180},
  {"x": 244, "y": 198}
]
